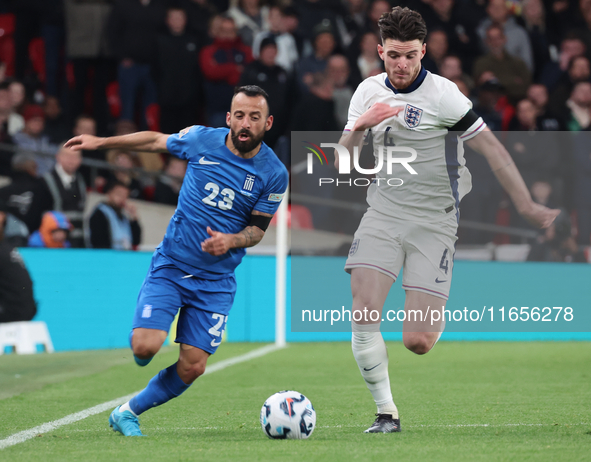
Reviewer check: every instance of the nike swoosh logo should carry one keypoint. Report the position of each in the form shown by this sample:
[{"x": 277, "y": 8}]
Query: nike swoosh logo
[
  {"x": 202, "y": 161},
  {"x": 214, "y": 343},
  {"x": 365, "y": 369},
  {"x": 187, "y": 276},
  {"x": 438, "y": 281}
]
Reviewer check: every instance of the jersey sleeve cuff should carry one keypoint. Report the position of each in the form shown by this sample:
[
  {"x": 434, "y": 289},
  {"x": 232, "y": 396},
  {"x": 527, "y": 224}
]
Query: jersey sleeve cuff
[{"x": 474, "y": 129}]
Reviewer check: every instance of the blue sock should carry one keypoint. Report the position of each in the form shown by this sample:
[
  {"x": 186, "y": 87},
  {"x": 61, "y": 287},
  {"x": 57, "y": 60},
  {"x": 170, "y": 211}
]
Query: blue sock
[
  {"x": 138, "y": 361},
  {"x": 142, "y": 362},
  {"x": 163, "y": 387}
]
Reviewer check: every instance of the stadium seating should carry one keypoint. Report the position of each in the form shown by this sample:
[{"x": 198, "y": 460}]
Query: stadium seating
[
  {"x": 113, "y": 99},
  {"x": 37, "y": 57},
  {"x": 153, "y": 117},
  {"x": 7, "y": 54}
]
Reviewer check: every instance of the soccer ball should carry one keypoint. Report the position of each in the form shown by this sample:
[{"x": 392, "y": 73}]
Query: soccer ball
[{"x": 288, "y": 415}]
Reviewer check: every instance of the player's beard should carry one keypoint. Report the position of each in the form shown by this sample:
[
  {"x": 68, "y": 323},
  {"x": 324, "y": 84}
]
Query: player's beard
[
  {"x": 408, "y": 79},
  {"x": 246, "y": 146}
]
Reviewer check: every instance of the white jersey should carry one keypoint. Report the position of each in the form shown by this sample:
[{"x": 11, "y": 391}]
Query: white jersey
[{"x": 432, "y": 106}]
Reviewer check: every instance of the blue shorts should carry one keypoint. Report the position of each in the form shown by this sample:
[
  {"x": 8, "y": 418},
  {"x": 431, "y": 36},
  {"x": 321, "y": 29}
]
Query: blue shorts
[{"x": 204, "y": 304}]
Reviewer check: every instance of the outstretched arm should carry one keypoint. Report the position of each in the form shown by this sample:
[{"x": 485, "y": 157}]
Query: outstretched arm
[
  {"x": 140, "y": 141},
  {"x": 219, "y": 243},
  {"x": 506, "y": 172}
]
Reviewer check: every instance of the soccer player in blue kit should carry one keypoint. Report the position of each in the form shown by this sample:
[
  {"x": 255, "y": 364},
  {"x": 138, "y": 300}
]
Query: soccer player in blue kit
[{"x": 233, "y": 186}]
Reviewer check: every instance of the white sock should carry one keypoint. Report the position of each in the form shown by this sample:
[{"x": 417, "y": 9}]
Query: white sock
[
  {"x": 125, "y": 407},
  {"x": 439, "y": 336},
  {"x": 388, "y": 408},
  {"x": 371, "y": 355}
]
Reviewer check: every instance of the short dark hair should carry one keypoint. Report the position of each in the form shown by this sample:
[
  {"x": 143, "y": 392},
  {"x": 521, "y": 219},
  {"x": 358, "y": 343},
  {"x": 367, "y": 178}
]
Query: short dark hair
[
  {"x": 83, "y": 117},
  {"x": 574, "y": 59},
  {"x": 253, "y": 91},
  {"x": 436, "y": 30},
  {"x": 402, "y": 24},
  {"x": 290, "y": 11},
  {"x": 496, "y": 25},
  {"x": 227, "y": 17},
  {"x": 573, "y": 35},
  {"x": 113, "y": 184}
]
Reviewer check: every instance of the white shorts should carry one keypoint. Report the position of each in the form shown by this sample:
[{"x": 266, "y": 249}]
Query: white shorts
[{"x": 425, "y": 250}]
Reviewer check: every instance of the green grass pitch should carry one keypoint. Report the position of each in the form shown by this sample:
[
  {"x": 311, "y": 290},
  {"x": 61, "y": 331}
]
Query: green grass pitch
[{"x": 463, "y": 401}]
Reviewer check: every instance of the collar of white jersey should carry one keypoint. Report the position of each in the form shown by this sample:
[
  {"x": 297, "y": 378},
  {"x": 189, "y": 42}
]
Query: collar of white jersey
[{"x": 413, "y": 86}]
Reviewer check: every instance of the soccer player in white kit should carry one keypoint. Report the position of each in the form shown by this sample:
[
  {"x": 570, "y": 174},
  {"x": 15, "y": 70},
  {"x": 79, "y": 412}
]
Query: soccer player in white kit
[{"x": 413, "y": 224}]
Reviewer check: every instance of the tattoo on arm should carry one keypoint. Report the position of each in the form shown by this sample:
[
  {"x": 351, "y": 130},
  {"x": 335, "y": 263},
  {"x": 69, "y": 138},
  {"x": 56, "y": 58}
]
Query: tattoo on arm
[{"x": 248, "y": 237}]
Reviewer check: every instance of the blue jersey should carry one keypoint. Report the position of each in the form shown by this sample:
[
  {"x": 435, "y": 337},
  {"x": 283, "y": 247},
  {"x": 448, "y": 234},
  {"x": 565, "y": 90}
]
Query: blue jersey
[{"x": 220, "y": 190}]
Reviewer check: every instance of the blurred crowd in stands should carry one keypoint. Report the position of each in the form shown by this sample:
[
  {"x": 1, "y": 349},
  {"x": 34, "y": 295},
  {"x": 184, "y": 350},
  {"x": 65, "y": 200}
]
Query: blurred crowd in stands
[{"x": 107, "y": 67}]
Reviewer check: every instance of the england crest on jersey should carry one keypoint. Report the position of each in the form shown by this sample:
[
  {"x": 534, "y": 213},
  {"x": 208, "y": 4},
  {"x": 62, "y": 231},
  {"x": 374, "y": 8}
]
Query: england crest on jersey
[{"x": 412, "y": 116}]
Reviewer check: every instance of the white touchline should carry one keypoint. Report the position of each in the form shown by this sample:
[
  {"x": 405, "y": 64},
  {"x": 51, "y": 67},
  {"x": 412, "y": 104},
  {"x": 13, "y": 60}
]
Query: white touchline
[
  {"x": 466, "y": 425},
  {"x": 25, "y": 435},
  {"x": 361, "y": 426},
  {"x": 169, "y": 429}
]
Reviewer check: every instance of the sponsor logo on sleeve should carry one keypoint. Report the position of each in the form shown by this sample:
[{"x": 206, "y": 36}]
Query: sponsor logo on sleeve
[
  {"x": 184, "y": 131},
  {"x": 276, "y": 197}
]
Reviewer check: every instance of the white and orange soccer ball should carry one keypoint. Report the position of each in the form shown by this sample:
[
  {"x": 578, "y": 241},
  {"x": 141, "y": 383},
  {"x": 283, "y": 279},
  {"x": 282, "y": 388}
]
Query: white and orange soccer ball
[{"x": 288, "y": 415}]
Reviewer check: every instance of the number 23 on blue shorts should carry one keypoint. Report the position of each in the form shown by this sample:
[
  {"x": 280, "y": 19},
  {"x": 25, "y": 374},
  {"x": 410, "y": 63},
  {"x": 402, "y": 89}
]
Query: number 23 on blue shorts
[
  {"x": 202, "y": 329},
  {"x": 204, "y": 304}
]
